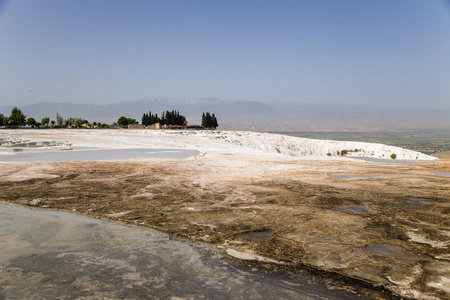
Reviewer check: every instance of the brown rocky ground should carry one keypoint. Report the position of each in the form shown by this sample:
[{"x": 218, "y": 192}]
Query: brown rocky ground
[
  {"x": 443, "y": 155},
  {"x": 280, "y": 213}
]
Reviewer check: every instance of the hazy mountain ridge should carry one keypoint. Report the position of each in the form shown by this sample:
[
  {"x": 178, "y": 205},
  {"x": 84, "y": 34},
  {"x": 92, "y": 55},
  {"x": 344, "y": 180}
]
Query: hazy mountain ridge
[{"x": 253, "y": 115}]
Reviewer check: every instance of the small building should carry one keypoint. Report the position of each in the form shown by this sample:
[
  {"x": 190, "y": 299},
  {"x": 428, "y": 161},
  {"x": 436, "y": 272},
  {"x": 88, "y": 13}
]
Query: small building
[
  {"x": 154, "y": 126},
  {"x": 135, "y": 126}
]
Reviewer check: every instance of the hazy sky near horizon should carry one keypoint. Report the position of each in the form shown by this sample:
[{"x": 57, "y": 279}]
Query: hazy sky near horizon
[{"x": 383, "y": 53}]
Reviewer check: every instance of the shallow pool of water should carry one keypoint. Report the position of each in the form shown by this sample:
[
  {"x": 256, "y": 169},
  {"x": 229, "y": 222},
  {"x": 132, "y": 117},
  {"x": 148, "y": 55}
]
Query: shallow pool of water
[
  {"x": 42, "y": 258},
  {"x": 45, "y": 149},
  {"x": 34, "y": 144},
  {"x": 441, "y": 173},
  {"x": 107, "y": 154},
  {"x": 404, "y": 207},
  {"x": 396, "y": 161},
  {"x": 347, "y": 177}
]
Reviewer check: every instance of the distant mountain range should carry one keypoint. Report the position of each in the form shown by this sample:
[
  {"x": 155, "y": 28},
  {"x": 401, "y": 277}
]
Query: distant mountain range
[{"x": 253, "y": 115}]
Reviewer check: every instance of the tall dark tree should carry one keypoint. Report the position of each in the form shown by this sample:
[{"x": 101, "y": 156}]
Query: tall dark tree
[
  {"x": 3, "y": 120},
  {"x": 17, "y": 118},
  {"x": 145, "y": 119},
  {"x": 214, "y": 121},
  {"x": 209, "y": 121},
  {"x": 151, "y": 118}
]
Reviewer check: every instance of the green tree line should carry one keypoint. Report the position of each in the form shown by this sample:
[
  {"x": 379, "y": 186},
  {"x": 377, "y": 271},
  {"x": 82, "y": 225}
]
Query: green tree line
[{"x": 18, "y": 119}]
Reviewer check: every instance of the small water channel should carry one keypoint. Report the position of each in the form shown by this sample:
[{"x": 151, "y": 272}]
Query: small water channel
[
  {"x": 350, "y": 209},
  {"x": 418, "y": 199}
]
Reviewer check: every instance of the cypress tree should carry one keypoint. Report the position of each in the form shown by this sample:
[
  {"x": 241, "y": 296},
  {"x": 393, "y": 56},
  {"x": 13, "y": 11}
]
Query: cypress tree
[
  {"x": 214, "y": 121},
  {"x": 145, "y": 119},
  {"x": 208, "y": 120}
]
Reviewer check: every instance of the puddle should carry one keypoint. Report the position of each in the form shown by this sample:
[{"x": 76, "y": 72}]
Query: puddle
[
  {"x": 418, "y": 199},
  {"x": 357, "y": 209},
  {"x": 353, "y": 209},
  {"x": 411, "y": 206},
  {"x": 259, "y": 235},
  {"x": 347, "y": 177},
  {"x": 381, "y": 250},
  {"x": 441, "y": 173}
]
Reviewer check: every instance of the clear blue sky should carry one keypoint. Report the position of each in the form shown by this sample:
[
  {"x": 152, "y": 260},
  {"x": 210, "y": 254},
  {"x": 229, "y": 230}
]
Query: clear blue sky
[{"x": 383, "y": 52}]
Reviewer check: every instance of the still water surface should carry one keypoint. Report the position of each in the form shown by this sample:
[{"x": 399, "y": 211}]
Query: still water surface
[
  {"x": 103, "y": 154},
  {"x": 48, "y": 254}
]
